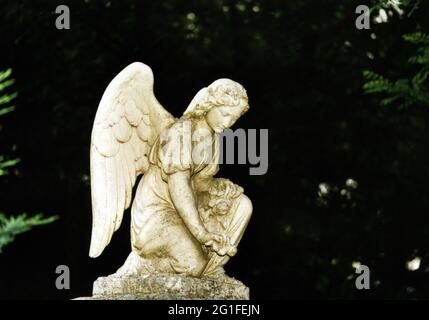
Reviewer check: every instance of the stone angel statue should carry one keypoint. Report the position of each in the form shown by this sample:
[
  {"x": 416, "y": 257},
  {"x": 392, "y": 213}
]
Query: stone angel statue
[{"x": 183, "y": 220}]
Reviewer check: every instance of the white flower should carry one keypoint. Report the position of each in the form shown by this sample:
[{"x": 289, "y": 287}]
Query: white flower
[
  {"x": 382, "y": 16},
  {"x": 351, "y": 183},
  {"x": 413, "y": 264},
  {"x": 323, "y": 189}
]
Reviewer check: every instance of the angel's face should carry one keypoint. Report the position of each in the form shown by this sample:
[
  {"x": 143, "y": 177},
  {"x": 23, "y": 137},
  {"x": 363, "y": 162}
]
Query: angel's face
[{"x": 223, "y": 117}]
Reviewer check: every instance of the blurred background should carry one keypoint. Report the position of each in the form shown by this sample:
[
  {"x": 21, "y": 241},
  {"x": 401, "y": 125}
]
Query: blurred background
[{"x": 348, "y": 119}]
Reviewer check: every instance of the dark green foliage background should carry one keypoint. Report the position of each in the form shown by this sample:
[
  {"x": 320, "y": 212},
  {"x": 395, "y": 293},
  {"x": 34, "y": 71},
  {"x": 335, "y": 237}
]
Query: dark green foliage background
[{"x": 304, "y": 82}]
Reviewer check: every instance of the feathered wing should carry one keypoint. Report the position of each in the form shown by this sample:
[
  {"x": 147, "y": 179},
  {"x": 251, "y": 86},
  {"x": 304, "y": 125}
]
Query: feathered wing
[{"x": 128, "y": 121}]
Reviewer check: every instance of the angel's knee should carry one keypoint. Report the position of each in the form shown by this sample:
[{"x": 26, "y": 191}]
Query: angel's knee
[
  {"x": 245, "y": 208},
  {"x": 240, "y": 219}
]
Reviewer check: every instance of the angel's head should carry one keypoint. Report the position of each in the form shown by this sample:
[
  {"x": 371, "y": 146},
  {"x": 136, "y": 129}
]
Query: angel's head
[{"x": 221, "y": 104}]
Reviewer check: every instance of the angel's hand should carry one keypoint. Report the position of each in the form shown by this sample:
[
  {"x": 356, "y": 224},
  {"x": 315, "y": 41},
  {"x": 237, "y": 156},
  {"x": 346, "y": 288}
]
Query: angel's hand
[
  {"x": 220, "y": 244},
  {"x": 225, "y": 250},
  {"x": 210, "y": 238}
]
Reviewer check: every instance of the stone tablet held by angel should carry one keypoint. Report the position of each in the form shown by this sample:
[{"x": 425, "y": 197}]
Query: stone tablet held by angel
[{"x": 183, "y": 220}]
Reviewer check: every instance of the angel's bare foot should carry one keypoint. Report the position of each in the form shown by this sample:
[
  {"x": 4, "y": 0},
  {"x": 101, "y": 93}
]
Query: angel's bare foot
[{"x": 133, "y": 266}]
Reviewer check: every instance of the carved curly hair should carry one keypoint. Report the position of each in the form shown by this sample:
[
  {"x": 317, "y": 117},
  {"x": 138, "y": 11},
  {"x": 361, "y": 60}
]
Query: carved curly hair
[{"x": 222, "y": 92}]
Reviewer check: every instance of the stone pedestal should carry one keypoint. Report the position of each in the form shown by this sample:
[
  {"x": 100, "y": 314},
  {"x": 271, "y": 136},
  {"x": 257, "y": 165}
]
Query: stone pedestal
[{"x": 168, "y": 287}]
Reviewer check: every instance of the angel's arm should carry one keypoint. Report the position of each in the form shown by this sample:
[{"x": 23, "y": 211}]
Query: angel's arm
[
  {"x": 182, "y": 195},
  {"x": 179, "y": 185}
]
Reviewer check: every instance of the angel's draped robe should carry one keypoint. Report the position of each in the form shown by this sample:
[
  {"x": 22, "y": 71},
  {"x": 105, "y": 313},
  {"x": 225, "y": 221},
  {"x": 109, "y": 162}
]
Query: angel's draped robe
[{"x": 157, "y": 230}]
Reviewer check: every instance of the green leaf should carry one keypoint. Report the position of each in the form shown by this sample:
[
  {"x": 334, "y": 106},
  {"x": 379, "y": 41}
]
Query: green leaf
[
  {"x": 5, "y": 84},
  {"x": 417, "y": 38},
  {"x": 6, "y": 110},
  {"x": 10, "y": 227},
  {"x": 6, "y": 98},
  {"x": 6, "y": 164},
  {"x": 5, "y": 74}
]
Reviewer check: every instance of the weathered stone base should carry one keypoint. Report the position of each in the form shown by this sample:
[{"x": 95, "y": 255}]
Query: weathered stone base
[{"x": 168, "y": 287}]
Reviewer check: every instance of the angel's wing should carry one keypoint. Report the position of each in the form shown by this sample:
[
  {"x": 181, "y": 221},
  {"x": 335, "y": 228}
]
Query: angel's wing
[{"x": 128, "y": 120}]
